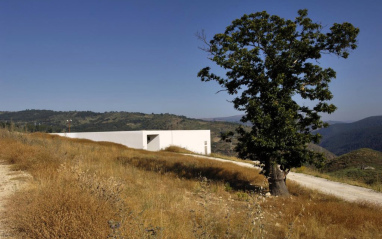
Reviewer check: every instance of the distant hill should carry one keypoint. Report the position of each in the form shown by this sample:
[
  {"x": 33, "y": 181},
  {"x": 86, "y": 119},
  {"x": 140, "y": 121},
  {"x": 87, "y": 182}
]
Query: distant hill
[
  {"x": 237, "y": 118},
  {"x": 328, "y": 155},
  {"x": 337, "y": 122},
  {"x": 88, "y": 121},
  {"x": 234, "y": 119},
  {"x": 342, "y": 138},
  {"x": 362, "y": 165}
]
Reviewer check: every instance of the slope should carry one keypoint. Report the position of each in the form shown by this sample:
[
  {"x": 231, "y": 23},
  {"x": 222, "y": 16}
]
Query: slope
[
  {"x": 345, "y": 137},
  {"x": 362, "y": 165}
]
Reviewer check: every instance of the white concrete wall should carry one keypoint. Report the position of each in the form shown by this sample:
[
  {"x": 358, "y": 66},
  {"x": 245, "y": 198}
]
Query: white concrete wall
[
  {"x": 198, "y": 141},
  {"x": 193, "y": 140},
  {"x": 132, "y": 139}
]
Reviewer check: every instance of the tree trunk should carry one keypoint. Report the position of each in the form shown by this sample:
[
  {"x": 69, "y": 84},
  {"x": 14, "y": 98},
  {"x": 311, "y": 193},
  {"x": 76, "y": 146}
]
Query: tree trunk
[{"x": 276, "y": 180}]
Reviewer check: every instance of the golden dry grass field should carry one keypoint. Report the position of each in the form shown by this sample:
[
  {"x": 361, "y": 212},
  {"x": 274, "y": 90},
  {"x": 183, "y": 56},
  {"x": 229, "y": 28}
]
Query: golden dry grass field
[{"x": 83, "y": 189}]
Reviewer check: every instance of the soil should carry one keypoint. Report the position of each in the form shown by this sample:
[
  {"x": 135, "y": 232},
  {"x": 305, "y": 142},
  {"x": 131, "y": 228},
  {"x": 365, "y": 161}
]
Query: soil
[{"x": 10, "y": 182}]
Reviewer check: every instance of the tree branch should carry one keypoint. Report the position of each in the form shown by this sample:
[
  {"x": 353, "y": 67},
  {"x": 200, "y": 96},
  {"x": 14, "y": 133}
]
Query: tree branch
[{"x": 202, "y": 37}]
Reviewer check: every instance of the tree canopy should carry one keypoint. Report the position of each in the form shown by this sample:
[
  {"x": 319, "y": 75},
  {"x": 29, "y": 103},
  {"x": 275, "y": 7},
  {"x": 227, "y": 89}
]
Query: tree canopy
[{"x": 267, "y": 61}]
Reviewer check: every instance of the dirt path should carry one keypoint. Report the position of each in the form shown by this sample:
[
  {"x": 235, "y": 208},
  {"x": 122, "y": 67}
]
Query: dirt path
[
  {"x": 345, "y": 191},
  {"x": 10, "y": 182}
]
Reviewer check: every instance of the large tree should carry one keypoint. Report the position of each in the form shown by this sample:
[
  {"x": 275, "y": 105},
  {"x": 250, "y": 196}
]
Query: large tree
[{"x": 268, "y": 60}]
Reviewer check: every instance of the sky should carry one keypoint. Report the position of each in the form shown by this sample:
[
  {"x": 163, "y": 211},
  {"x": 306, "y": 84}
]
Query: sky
[{"x": 143, "y": 56}]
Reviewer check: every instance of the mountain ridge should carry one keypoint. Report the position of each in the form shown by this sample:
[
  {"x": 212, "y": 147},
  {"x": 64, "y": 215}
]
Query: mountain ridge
[
  {"x": 237, "y": 118},
  {"x": 345, "y": 137}
]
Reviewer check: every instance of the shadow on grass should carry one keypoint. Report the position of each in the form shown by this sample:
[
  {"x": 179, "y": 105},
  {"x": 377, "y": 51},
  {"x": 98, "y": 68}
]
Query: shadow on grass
[{"x": 192, "y": 170}]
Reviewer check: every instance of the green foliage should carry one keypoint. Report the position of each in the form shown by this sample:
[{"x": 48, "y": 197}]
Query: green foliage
[
  {"x": 227, "y": 187},
  {"x": 243, "y": 196},
  {"x": 227, "y": 136},
  {"x": 268, "y": 60}
]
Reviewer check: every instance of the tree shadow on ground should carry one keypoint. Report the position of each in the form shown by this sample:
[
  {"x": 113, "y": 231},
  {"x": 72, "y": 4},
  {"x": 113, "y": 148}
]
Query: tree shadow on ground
[{"x": 193, "y": 171}]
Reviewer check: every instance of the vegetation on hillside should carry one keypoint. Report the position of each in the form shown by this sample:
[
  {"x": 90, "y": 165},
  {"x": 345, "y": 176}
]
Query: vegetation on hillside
[
  {"x": 346, "y": 137},
  {"x": 86, "y": 121},
  {"x": 327, "y": 154},
  {"x": 362, "y": 167},
  {"x": 84, "y": 189}
]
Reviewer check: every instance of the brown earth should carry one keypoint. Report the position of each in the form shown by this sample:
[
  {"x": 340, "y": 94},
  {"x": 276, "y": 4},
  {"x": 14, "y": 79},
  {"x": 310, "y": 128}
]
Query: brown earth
[{"x": 10, "y": 182}]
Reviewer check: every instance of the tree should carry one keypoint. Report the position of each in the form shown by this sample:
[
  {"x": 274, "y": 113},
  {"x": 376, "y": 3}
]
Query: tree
[
  {"x": 227, "y": 137},
  {"x": 267, "y": 60}
]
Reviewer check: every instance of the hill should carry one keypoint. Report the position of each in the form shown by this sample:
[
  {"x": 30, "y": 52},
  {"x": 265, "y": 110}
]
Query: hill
[
  {"x": 356, "y": 159},
  {"x": 328, "y": 155},
  {"x": 234, "y": 119},
  {"x": 84, "y": 189},
  {"x": 345, "y": 137},
  {"x": 87, "y": 121},
  {"x": 362, "y": 165},
  {"x": 237, "y": 118}
]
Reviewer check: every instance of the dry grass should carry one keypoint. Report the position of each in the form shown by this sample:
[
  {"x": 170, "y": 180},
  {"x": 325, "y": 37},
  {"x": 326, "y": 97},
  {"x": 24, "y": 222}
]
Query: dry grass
[
  {"x": 83, "y": 189},
  {"x": 176, "y": 149},
  {"x": 309, "y": 214},
  {"x": 232, "y": 158}
]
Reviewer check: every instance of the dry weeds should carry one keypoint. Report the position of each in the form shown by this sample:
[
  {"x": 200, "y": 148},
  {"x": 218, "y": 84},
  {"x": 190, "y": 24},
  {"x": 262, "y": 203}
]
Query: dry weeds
[{"x": 83, "y": 189}]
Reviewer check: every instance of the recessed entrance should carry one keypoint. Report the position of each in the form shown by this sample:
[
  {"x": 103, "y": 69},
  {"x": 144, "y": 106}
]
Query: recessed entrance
[{"x": 153, "y": 142}]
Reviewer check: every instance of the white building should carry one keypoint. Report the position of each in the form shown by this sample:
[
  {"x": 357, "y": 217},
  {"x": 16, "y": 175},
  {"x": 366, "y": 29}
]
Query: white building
[{"x": 198, "y": 141}]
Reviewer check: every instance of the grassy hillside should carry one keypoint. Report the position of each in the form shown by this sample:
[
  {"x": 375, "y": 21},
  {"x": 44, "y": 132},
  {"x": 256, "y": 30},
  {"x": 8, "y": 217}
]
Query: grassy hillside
[
  {"x": 362, "y": 167},
  {"x": 352, "y": 166},
  {"x": 84, "y": 189},
  {"x": 346, "y": 137}
]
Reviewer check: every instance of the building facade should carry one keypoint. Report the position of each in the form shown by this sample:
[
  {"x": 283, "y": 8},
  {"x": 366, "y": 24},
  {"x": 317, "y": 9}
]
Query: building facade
[{"x": 198, "y": 141}]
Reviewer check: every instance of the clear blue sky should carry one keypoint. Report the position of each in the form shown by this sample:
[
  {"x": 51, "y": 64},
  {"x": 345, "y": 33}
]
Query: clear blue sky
[{"x": 143, "y": 56}]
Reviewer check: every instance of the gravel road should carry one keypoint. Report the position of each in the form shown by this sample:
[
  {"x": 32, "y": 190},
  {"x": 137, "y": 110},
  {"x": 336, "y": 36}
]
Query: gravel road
[{"x": 345, "y": 191}]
